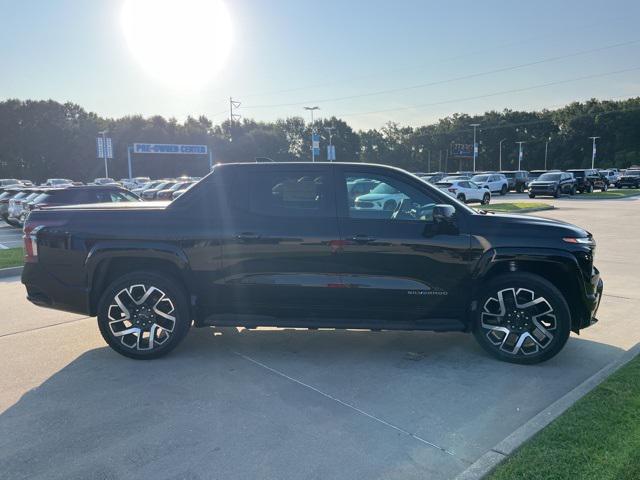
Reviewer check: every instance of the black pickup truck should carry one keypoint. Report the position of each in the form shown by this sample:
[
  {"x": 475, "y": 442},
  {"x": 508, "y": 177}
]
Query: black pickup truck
[{"x": 282, "y": 244}]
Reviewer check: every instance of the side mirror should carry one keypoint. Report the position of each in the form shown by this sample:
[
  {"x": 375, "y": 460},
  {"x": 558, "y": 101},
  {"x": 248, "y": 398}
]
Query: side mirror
[{"x": 444, "y": 214}]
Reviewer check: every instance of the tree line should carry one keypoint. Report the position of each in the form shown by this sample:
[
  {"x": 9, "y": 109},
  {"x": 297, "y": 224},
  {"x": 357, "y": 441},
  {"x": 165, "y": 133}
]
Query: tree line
[{"x": 43, "y": 139}]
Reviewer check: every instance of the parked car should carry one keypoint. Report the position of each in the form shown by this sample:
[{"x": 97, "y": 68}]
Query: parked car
[
  {"x": 258, "y": 244},
  {"x": 534, "y": 174},
  {"x": 630, "y": 179},
  {"x": 81, "y": 196},
  {"x": 179, "y": 192},
  {"x": 9, "y": 182},
  {"x": 466, "y": 191},
  {"x": 104, "y": 181},
  {"x": 495, "y": 182},
  {"x": 57, "y": 182},
  {"x": 167, "y": 193},
  {"x": 553, "y": 184},
  {"x": 151, "y": 193},
  {"x": 518, "y": 179},
  {"x": 382, "y": 197},
  {"x": 147, "y": 186},
  {"x": 587, "y": 180},
  {"x": 611, "y": 176},
  {"x": 17, "y": 206},
  {"x": 5, "y": 197}
]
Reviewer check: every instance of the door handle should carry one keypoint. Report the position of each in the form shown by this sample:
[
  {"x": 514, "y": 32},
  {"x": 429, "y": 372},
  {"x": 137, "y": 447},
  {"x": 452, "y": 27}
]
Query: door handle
[
  {"x": 362, "y": 239},
  {"x": 247, "y": 236}
]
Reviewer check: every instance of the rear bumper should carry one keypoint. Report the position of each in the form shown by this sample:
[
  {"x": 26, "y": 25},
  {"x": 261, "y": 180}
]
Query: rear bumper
[{"x": 46, "y": 290}]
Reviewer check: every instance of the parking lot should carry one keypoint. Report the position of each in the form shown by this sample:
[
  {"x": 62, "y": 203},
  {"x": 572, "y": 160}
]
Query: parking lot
[
  {"x": 291, "y": 404},
  {"x": 10, "y": 237}
]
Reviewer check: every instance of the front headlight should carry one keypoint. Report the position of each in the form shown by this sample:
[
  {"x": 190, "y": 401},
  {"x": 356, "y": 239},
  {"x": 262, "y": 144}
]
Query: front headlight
[{"x": 589, "y": 241}]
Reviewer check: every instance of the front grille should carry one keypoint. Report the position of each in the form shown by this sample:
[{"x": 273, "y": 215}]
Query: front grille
[{"x": 364, "y": 204}]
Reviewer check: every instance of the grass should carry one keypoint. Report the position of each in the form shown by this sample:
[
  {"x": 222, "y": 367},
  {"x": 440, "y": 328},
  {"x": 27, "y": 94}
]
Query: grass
[
  {"x": 617, "y": 193},
  {"x": 596, "y": 439},
  {"x": 517, "y": 207},
  {"x": 12, "y": 257}
]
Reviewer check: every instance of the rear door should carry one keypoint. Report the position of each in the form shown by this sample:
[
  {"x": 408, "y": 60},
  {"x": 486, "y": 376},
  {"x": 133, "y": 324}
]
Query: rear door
[
  {"x": 396, "y": 265},
  {"x": 279, "y": 244}
]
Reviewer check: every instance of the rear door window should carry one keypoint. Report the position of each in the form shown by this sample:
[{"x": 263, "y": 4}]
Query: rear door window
[{"x": 290, "y": 193}]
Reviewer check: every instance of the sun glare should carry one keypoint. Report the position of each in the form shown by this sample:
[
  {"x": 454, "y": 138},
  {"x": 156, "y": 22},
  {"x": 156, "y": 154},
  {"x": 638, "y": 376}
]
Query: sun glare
[{"x": 182, "y": 43}]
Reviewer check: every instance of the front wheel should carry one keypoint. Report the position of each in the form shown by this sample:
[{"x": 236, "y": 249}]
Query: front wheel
[
  {"x": 503, "y": 190},
  {"x": 486, "y": 198},
  {"x": 144, "y": 315},
  {"x": 532, "y": 195},
  {"x": 522, "y": 318},
  {"x": 572, "y": 192},
  {"x": 556, "y": 194},
  {"x": 590, "y": 189},
  {"x": 462, "y": 198}
]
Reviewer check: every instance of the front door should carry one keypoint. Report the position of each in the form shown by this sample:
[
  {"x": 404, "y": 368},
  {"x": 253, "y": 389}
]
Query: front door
[{"x": 395, "y": 261}]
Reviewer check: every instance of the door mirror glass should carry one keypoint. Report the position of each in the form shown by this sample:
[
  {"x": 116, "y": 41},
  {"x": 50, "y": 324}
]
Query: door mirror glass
[{"x": 444, "y": 214}]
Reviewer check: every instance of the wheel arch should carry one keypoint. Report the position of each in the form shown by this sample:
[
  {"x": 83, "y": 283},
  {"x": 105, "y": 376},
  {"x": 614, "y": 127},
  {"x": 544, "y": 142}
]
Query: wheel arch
[
  {"x": 108, "y": 261},
  {"x": 558, "y": 267}
]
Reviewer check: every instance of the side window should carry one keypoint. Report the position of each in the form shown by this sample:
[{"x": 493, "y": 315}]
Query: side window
[
  {"x": 289, "y": 193},
  {"x": 465, "y": 184},
  {"x": 387, "y": 198}
]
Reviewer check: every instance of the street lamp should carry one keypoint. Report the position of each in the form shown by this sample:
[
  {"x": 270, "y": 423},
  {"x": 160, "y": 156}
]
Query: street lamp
[
  {"x": 546, "y": 150},
  {"x": 475, "y": 145},
  {"x": 500, "y": 168},
  {"x": 520, "y": 154},
  {"x": 593, "y": 152},
  {"x": 311, "y": 109}
]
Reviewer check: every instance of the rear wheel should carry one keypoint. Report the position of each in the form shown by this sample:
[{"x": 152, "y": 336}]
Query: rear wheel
[
  {"x": 556, "y": 194},
  {"x": 462, "y": 198},
  {"x": 144, "y": 315},
  {"x": 522, "y": 318}
]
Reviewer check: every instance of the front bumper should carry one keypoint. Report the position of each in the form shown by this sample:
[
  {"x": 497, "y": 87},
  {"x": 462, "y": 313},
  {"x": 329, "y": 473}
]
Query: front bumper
[{"x": 592, "y": 298}]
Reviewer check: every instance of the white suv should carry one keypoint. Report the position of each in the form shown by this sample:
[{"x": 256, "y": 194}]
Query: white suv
[
  {"x": 466, "y": 191},
  {"x": 495, "y": 182}
]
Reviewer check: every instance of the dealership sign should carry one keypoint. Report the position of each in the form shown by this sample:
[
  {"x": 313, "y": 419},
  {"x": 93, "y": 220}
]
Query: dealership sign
[{"x": 164, "y": 148}]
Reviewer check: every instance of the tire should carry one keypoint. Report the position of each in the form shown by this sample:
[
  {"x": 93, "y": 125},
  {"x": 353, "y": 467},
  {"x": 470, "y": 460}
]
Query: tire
[
  {"x": 522, "y": 318},
  {"x": 486, "y": 198},
  {"x": 164, "y": 312},
  {"x": 503, "y": 190},
  {"x": 556, "y": 194},
  {"x": 572, "y": 192},
  {"x": 590, "y": 189},
  {"x": 462, "y": 198},
  {"x": 519, "y": 188},
  {"x": 532, "y": 195}
]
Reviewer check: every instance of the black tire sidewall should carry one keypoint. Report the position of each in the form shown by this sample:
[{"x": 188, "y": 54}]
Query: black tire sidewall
[
  {"x": 540, "y": 286},
  {"x": 165, "y": 283}
]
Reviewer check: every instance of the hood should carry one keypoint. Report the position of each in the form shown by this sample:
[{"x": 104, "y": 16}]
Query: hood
[
  {"x": 526, "y": 226},
  {"x": 543, "y": 182}
]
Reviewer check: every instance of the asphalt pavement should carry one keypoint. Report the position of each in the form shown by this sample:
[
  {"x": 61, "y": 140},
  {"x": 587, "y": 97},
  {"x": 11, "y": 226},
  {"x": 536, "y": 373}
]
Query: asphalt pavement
[
  {"x": 291, "y": 404},
  {"x": 10, "y": 237}
]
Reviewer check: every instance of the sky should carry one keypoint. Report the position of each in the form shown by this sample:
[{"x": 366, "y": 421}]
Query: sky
[{"x": 368, "y": 62}]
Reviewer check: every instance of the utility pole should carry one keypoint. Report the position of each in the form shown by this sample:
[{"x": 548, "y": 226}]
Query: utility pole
[
  {"x": 500, "y": 160},
  {"x": 313, "y": 131},
  {"x": 440, "y": 161},
  {"x": 475, "y": 145},
  {"x": 546, "y": 151},
  {"x": 520, "y": 153},
  {"x": 429, "y": 161},
  {"x": 233, "y": 105},
  {"x": 593, "y": 153}
]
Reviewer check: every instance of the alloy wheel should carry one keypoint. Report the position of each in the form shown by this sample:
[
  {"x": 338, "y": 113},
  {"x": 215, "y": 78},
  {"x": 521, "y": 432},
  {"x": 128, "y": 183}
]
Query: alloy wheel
[
  {"x": 518, "y": 321},
  {"x": 142, "y": 317}
]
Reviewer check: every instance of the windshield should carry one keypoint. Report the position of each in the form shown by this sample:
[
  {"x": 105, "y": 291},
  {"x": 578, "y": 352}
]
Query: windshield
[
  {"x": 578, "y": 173},
  {"x": 509, "y": 174},
  {"x": 550, "y": 177},
  {"x": 480, "y": 178}
]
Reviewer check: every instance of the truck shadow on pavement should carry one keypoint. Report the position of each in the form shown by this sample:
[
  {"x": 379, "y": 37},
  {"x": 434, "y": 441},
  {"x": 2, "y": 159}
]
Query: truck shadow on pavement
[{"x": 284, "y": 404}]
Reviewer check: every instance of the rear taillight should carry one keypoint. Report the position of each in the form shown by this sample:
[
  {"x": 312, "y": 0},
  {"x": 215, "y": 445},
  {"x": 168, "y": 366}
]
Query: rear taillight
[{"x": 30, "y": 239}]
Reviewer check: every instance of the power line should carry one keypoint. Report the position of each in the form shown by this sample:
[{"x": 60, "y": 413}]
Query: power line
[
  {"x": 494, "y": 94},
  {"x": 449, "y": 80}
]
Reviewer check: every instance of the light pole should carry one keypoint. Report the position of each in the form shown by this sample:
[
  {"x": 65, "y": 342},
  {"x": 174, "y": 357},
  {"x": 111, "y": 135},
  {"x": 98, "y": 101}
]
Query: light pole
[
  {"x": 104, "y": 152},
  {"x": 520, "y": 153},
  {"x": 313, "y": 152},
  {"x": 500, "y": 161},
  {"x": 546, "y": 151},
  {"x": 475, "y": 145},
  {"x": 593, "y": 153}
]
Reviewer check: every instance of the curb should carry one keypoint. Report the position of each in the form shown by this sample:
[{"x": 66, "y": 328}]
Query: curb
[
  {"x": 507, "y": 447},
  {"x": 10, "y": 272}
]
